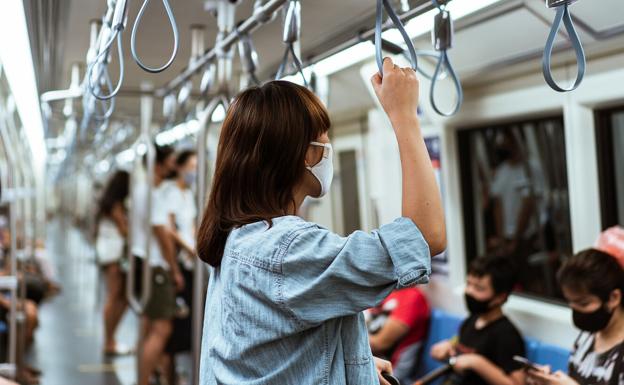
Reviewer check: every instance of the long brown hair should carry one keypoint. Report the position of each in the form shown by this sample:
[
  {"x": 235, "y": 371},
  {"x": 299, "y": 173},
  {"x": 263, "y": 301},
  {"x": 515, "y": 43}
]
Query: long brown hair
[
  {"x": 260, "y": 160},
  {"x": 116, "y": 191}
]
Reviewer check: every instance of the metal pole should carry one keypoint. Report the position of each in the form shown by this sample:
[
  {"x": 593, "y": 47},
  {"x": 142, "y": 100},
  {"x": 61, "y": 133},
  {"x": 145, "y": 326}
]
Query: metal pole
[
  {"x": 144, "y": 142},
  {"x": 10, "y": 370},
  {"x": 226, "y": 20}
]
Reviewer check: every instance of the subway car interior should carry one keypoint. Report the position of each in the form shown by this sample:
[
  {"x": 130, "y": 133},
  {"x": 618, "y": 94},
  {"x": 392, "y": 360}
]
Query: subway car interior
[{"x": 251, "y": 192}]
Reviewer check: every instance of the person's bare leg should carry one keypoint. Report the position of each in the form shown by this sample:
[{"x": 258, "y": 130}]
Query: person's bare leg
[
  {"x": 32, "y": 321},
  {"x": 111, "y": 307},
  {"x": 153, "y": 347},
  {"x": 167, "y": 365},
  {"x": 120, "y": 302}
]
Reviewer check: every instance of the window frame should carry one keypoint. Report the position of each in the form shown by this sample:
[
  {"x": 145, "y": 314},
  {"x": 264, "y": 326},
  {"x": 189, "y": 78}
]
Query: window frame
[
  {"x": 606, "y": 165},
  {"x": 468, "y": 213}
]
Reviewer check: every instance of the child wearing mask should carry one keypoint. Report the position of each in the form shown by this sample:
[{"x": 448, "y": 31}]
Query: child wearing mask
[
  {"x": 592, "y": 282},
  {"x": 487, "y": 342}
]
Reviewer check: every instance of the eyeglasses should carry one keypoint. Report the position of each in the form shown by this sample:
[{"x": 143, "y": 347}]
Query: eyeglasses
[{"x": 327, "y": 147}]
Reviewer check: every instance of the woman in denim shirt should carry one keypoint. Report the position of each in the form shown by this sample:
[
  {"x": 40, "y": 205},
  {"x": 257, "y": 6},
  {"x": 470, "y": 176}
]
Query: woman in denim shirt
[{"x": 285, "y": 299}]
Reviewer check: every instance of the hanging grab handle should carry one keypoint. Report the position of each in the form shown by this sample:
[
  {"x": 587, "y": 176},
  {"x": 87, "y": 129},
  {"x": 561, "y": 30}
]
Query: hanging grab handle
[
  {"x": 117, "y": 25},
  {"x": 176, "y": 38},
  {"x": 442, "y": 37},
  {"x": 107, "y": 111},
  {"x": 248, "y": 55},
  {"x": 563, "y": 15},
  {"x": 398, "y": 24},
  {"x": 101, "y": 59},
  {"x": 291, "y": 35}
]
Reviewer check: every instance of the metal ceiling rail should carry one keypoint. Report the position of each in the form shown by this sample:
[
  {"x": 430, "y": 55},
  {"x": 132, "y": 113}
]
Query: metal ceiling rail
[
  {"x": 248, "y": 26},
  {"x": 257, "y": 19},
  {"x": 421, "y": 7}
]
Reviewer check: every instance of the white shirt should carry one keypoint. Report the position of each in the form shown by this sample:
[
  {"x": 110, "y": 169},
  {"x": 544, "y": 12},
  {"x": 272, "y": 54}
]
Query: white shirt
[
  {"x": 182, "y": 205},
  {"x": 138, "y": 219},
  {"x": 511, "y": 185}
]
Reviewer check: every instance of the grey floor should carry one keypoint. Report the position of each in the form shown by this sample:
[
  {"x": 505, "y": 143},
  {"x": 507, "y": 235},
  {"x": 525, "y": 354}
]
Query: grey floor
[{"x": 68, "y": 343}]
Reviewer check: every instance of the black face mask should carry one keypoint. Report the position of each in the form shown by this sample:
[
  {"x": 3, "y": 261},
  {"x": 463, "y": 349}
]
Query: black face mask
[
  {"x": 594, "y": 321},
  {"x": 503, "y": 153},
  {"x": 475, "y": 306}
]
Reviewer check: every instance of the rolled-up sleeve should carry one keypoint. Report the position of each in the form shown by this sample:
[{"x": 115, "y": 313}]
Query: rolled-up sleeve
[{"x": 325, "y": 276}]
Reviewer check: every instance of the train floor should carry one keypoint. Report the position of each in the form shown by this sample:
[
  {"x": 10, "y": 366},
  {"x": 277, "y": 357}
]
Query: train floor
[{"x": 68, "y": 344}]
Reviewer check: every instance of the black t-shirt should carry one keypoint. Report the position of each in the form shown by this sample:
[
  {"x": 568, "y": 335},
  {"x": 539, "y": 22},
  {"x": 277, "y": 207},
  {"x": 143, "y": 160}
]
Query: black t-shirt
[
  {"x": 498, "y": 341},
  {"x": 590, "y": 368}
]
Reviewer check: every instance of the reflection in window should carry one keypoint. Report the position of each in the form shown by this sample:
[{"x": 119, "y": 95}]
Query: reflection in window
[
  {"x": 610, "y": 140},
  {"x": 515, "y": 198}
]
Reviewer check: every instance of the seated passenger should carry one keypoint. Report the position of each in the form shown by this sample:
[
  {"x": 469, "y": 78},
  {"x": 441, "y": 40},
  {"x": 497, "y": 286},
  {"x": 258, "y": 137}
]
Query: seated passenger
[
  {"x": 488, "y": 341},
  {"x": 592, "y": 281},
  {"x": 397, "y": 329}
]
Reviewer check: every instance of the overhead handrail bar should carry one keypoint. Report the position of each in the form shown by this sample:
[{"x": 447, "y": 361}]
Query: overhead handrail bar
[{"x": 247, "y": 26}]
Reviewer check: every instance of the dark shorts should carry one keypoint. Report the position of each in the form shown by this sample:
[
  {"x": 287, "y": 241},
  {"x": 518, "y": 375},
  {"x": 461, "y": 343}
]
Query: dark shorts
[{"x": 162, "y": 301}]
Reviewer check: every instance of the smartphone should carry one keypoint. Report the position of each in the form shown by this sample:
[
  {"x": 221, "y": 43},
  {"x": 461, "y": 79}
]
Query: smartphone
[
  {"x": 526, "y": 363},
  {"x": 390, "y": 378}
]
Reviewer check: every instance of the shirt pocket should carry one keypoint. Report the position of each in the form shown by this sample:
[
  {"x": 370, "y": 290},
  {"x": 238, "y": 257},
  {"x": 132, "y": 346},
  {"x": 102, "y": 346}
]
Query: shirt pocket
[
  {"x": 355, "y": 341},
  {"x": 359, "y": 368}
]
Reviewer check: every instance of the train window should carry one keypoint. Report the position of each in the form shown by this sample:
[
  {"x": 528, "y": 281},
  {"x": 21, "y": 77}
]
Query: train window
[
  {"x": 515, "y": 198},
  {"x": 610, "y": 141},
  {"x": 349, "y": 191}
]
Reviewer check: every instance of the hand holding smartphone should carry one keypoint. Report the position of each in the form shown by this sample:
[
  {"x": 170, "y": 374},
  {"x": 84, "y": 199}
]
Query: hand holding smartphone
[{"x": 528, "y": 365}]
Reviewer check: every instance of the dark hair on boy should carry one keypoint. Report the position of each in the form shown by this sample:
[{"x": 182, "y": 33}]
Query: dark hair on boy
[
  {"x": 162, "y": 153},
  {"x": 593, "y": 272},
  {"x": 501, "y": 270},
  {"x": 184, "y": 156}
]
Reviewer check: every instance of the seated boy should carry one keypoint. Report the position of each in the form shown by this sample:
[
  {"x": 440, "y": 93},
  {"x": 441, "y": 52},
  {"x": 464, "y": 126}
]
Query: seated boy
[
  {"x": 488, "y": 341},
  {"x": 397, "y": 329}
]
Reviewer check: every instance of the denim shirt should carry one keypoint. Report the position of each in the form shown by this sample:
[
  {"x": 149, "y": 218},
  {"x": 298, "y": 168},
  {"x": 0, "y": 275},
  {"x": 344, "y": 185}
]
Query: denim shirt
[{"x": 285, "y": 305}]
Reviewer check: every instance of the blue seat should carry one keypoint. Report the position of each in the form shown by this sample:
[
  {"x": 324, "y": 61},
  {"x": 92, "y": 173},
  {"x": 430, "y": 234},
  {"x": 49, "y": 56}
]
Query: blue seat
[
  {"x": 442, "y": 327},
  {"x": 552, "y": 355},
  {"x": 445, "y": 326},
  {"x": 4, "y": 328},
  {"x": 531, "y": 346}
]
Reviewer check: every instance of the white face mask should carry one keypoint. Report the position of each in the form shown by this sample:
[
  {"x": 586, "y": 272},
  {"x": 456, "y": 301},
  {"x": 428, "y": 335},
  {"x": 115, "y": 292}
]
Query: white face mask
[{"x": 323, "y": 171}]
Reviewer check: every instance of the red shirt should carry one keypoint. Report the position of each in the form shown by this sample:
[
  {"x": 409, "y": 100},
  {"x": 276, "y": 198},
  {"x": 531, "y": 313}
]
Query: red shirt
[{"x": 408, "y": 306}]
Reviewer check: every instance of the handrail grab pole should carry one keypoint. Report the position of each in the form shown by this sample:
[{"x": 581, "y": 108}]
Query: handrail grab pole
[
  {"x": 144, "y": 142},
  {"x": 12, "y": 356},
  {"x": 226, "y": 23}
]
